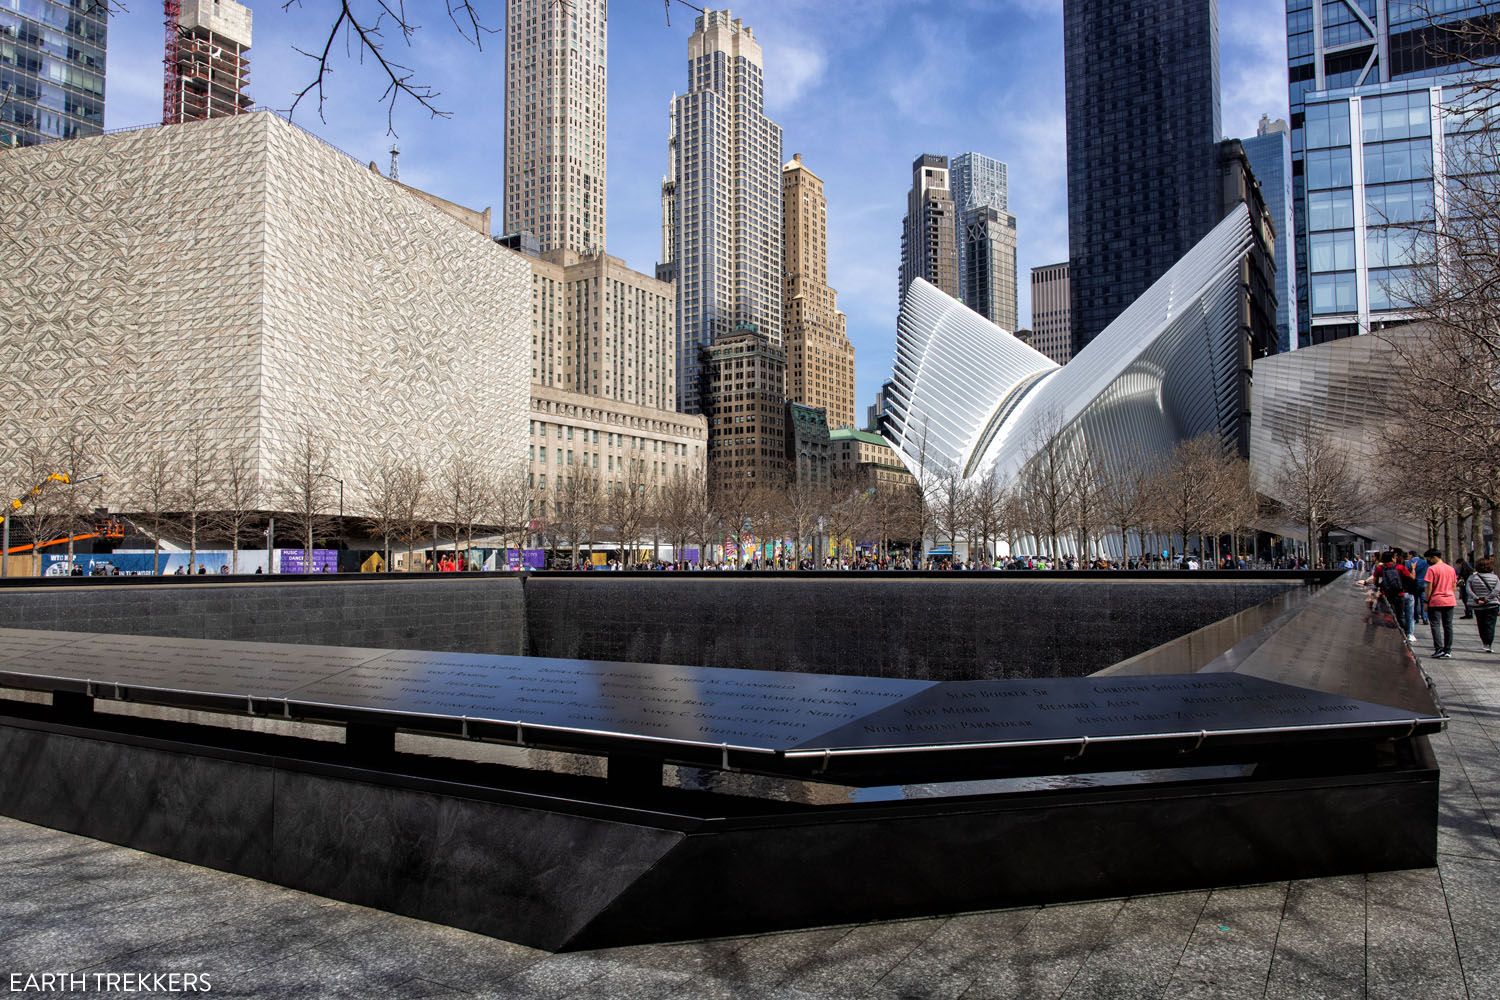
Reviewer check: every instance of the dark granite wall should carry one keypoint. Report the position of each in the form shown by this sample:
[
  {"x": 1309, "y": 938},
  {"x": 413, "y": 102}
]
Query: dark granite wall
[
  {"x": 935, "y": 627},
  {"x": 929, "y": 628},
  {"x": 473, "y": 615}
]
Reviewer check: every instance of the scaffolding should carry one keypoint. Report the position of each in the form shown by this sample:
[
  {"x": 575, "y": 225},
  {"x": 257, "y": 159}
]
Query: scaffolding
[{"x": 207, "y": 66}]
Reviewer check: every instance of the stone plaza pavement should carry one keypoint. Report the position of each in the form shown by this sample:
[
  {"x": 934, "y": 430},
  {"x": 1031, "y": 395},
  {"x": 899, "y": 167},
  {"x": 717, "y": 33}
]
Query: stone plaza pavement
[{"x": 68, "y": 904}]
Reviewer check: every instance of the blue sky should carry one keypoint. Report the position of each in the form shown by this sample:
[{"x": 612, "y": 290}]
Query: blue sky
[{"x": 859, "y": 87}]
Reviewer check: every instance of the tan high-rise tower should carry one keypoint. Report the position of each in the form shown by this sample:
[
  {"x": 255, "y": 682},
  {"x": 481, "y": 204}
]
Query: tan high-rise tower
[
  {"x": 820, "y": 358},
  {"x": 929, "y": 248},
  {"x": 554, "y": 121}
]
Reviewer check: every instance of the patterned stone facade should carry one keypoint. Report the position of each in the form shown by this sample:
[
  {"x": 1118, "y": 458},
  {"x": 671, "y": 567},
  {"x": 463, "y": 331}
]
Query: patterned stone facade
[{"x": 239, "y": 280}]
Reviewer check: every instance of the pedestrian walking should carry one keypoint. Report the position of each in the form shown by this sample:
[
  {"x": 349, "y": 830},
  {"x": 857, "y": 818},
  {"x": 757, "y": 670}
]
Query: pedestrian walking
[
  {"x": 1484, "y": 595},
  {"x": 1465, "y": 569},
  {"x": 1440, "y": 597},
  {"x": 1418, "y": 566}
]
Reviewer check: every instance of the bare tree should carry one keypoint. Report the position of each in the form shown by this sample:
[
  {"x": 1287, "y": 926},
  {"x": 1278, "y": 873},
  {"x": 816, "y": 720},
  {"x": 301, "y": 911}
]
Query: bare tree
[
  {"x": 1188, "y": 488},
  {"x": 1319, "y": 486},
  {"x": 703, "y": 517},
  {"x": 1047, "y": 482},
  {"x": 802, "y": 503},
  {"x": 736, "y": 502},
  {"x": 380, "y": 490},
  {"x": 412, "y": 496},
  {"x": 197, "y": 491},
  {"x": 466, "y": 496},
  {"x": 1126, "y": 499},
  {"x": 843, "y": 513},
  {"x": 950, "y": 507},
  {"x": 154, "y": 496},
  {"x": 1087, "y": 486},
  {"x": 673, "y": 511},
  {"x": 239, "y": 501},
  {"x": 304, "y": 492},
  {"x": 626, "y": 509},
  {"x": 362, "y": 28},
  {"x": 510, "y": 504},
  {"x": 1452, "y": 367},
  {"x": 578, "y": 508}
]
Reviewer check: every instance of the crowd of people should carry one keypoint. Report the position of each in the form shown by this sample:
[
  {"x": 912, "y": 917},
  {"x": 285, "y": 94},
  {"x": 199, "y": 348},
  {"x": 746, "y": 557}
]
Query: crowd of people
[{"x": 1424, "y": 589}]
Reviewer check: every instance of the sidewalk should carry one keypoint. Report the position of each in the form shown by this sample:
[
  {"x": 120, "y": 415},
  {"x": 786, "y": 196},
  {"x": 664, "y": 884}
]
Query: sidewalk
[{"x": 70, "y": 904}]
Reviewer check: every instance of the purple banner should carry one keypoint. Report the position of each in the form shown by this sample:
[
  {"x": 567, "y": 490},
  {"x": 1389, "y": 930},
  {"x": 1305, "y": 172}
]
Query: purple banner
[
  {"x": 324, "y": 561},
  {"x": 525, "y": 559}
]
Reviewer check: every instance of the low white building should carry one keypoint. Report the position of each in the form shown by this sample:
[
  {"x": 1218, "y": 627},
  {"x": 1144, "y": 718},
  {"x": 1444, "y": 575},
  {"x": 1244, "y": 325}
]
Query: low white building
[{"x": 237, "y": 281}]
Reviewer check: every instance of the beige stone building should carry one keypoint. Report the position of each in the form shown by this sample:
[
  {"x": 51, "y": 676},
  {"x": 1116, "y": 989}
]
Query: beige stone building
[
  {"x": 819, "y": 356},
  {"x": 238, "y": 282},
  {"x": 929, "y": 235},
  {"x": 555, "y": 65},
  {"x": 622, "y": 444},
  {"x": 602, "y": 329},
  {"x": 725, "y": 198},
  {"x": 865, "y": 458}
]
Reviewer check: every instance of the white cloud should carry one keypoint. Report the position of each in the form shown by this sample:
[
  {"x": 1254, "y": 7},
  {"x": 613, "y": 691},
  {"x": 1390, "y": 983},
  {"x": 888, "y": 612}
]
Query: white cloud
[
  {"x": 791, "y": 68},
  {"x": 1252, "y": 44}
]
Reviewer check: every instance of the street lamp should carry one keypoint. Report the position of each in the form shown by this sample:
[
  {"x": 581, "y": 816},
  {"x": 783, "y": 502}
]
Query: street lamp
[{"x": 18, "y": 502}]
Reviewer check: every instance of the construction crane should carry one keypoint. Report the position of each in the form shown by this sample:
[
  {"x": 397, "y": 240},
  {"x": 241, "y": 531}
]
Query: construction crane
[
  {"x": 171, "y": 74},
  {"x": 668, "y": 5}
]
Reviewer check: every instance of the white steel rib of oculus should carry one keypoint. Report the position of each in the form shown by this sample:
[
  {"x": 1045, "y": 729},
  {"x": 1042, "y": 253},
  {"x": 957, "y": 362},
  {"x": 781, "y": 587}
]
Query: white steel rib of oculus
[{"x": 969, "y": 396}]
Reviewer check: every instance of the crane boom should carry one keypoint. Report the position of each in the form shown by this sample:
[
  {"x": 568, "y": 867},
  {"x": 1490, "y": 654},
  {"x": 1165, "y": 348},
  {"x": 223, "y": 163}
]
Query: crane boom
[{"x": 171, "y": 74}]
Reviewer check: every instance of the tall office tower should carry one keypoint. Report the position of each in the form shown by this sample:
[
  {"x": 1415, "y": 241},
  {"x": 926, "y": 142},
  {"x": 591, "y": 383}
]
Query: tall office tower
[
  {"x": 820, "y": 358},
  {"x": 1270, "y": 153},
  {"x": 929, "y": 233},
  {"x": 51, "y": 70},
  {"x": 978, "y": 181},
  {"x": 1372, "y": 162},
  {"x": 1143, "y": 127},
  {"x": 213, "y": 37},
  {"x": 1052, "y": 312},
  {"x": 666, "y": 269},
  {"x": 727, "y": 244},
  {"x": 987, "y": 268},
  {"x": 743, "y": 395},
  {"x": 554, "y": 121}
]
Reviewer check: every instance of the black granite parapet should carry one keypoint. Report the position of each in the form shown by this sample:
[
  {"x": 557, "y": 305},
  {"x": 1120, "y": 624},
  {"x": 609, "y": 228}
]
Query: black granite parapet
[
  {"x": 947, "y": 626},
  {"x": 473, "y": 613}
]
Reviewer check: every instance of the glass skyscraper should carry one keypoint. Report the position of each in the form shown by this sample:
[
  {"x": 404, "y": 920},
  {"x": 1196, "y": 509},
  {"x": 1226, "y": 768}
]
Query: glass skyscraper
[
  {"x": 51, "y": 70},
  {"x": 1143, "y": 162},
  {"x": 1270, "y": 154},
  {"x": 985, "y": 238},
  {"x": 1372, "y": 152}
]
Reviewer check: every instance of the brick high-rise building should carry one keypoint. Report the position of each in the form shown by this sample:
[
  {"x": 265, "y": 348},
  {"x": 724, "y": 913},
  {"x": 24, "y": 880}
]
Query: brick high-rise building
[
  {"x": 727, "y": 204},
  {"x": 555, "y": 62},
  {"x": 744, "y": 375},
  {"x": 820, "y": 358},
  {"x": 929, "y": 247}
]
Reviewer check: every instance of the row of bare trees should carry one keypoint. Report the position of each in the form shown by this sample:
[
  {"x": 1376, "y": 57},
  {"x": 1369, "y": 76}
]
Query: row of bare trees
[{"x": 1441, "y": 460}]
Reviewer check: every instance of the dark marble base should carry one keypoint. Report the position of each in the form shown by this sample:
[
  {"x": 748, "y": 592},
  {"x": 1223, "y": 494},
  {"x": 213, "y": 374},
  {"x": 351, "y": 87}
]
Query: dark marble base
[{"x": 564, "y": 870}]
